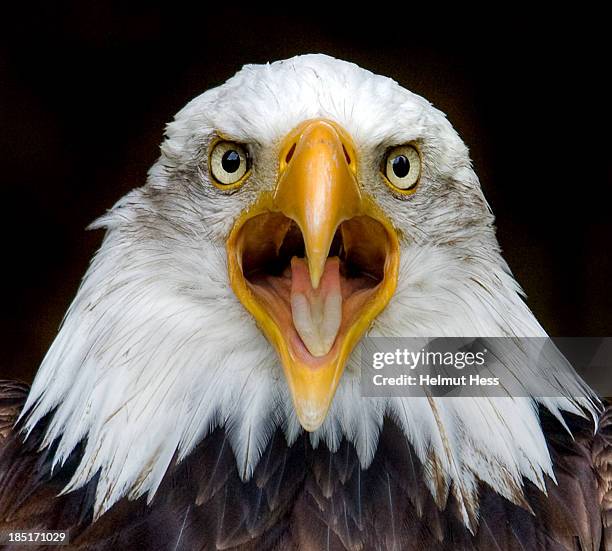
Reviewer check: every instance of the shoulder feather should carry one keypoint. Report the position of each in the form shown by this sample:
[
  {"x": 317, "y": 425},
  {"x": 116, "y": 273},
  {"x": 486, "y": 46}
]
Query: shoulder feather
[
  {"x": 12, "y": 398},
  {"x": 602, "y": 463}
]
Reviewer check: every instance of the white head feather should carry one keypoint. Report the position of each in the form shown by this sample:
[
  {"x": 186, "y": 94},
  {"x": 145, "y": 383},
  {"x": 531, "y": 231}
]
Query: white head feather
[{"x": 156, "y": 350}]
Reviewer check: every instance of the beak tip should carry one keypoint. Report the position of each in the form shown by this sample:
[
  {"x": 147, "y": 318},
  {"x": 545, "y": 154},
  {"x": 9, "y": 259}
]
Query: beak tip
[
  {"x": 315, "y": 281},
  {"x": 311, "y": 413},
  {"x": 315, "y": 270},
  {"x": 310, "y": 423}
]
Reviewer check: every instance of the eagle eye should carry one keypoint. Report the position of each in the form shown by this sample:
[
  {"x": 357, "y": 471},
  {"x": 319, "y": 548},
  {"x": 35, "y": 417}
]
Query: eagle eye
[
  {"x": 402, "y": 168},
  {"x": 229, "y": 163}
]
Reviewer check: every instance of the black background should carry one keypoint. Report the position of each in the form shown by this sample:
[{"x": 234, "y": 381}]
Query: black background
[{"x": 86, "y": 88}]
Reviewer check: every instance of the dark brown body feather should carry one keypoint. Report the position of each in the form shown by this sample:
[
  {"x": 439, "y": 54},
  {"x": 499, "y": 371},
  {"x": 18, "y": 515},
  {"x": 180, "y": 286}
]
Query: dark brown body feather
[{"x": 310, "y": 499}]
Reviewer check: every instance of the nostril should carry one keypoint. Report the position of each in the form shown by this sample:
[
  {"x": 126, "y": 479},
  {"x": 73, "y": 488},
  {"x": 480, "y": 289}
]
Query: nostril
[
  {"x": 348, "y": 157},
  {"x": 290, "y": 153}
]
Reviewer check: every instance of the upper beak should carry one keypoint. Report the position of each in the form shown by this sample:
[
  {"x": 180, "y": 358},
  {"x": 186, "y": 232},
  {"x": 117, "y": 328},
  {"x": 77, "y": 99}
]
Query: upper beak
[{"x": 317, "y": 189}]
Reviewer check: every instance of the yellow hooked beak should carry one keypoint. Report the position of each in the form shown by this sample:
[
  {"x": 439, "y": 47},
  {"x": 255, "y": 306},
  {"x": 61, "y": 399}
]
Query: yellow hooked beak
[{"x": 319, "y": 212}]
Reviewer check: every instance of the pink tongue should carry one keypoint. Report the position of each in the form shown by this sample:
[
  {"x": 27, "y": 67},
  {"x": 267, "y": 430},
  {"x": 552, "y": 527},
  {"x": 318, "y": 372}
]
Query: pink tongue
[
  {"x": 317, "y": 313},
  {"x": 300, "y": 277}
]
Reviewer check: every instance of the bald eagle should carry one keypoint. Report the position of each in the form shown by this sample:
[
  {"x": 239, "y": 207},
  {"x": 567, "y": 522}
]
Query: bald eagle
[{"x": 203, "y": 391}]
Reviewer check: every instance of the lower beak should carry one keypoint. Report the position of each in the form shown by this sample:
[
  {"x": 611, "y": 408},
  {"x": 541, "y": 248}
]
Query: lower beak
[{"x": 314, "y": 262}]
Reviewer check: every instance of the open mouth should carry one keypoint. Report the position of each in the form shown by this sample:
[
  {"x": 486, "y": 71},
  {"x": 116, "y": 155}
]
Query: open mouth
[
  {"x": 314, "y": 261},
  {"x": 314, "y": 321}
]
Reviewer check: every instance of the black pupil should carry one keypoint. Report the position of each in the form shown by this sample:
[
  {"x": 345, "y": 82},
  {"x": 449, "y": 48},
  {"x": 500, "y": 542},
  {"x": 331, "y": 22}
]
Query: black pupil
[
  {"x": 230, "y": 161},
  {"x": 401, "y": 166}
]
